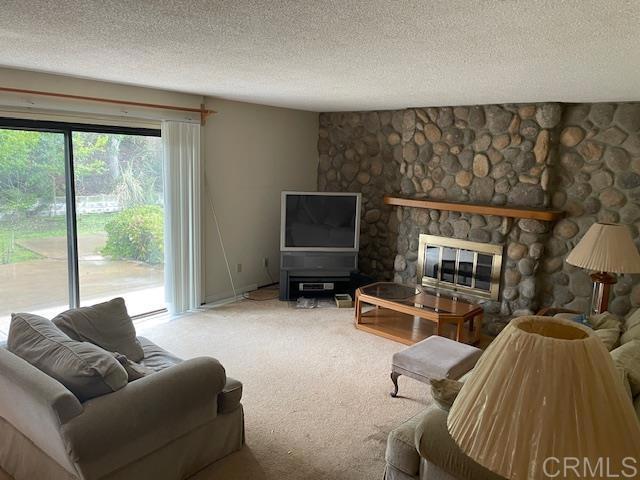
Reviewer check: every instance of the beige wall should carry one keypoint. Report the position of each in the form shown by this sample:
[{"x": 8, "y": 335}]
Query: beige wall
[{"x": 252, "y": 153}]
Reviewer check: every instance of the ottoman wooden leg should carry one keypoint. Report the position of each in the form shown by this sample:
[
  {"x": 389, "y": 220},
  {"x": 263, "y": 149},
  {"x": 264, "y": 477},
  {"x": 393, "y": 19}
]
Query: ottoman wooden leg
[{"x": 394, "y": 379}]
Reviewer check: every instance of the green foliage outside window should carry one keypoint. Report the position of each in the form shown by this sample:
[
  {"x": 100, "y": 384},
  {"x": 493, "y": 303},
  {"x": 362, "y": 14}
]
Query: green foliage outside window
[
  {"x": 136, "y": 234},
  {"x": 32, "y": 170}
]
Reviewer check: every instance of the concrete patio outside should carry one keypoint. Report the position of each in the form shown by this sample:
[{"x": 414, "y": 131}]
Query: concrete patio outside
[{"x": 40, "y": 286}]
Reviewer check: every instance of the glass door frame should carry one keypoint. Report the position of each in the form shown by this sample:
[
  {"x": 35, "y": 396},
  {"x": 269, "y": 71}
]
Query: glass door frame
[{"x": 67, "y": 130}]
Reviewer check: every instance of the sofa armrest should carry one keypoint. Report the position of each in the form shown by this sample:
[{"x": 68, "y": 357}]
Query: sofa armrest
[
  {"x": 401, "y": 453},
  {"x": 36, "y": 405},
  {"x": 148, "y": 413},
  {"x": 230, "y": 397},
  {"x": 434, "y": 443}
]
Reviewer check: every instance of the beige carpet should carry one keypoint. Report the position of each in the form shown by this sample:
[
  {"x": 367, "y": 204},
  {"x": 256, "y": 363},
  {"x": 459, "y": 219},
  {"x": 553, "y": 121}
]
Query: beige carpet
[{"x": 316, "y": 390}]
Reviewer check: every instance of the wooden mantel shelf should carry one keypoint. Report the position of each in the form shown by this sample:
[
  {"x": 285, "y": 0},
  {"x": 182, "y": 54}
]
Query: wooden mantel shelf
[{"x": 501, "y": 211}]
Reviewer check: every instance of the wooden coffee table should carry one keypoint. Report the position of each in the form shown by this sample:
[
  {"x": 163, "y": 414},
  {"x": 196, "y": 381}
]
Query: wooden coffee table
[{"x": 408, "y": 315}]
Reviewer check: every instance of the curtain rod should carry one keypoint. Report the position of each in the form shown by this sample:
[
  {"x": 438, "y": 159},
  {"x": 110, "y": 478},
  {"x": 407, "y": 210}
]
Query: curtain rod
[{"x": 204, "y": 113}]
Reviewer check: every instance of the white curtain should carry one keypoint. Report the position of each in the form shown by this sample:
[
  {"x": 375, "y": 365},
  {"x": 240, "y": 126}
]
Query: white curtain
[{"x": 182, "y": 165}]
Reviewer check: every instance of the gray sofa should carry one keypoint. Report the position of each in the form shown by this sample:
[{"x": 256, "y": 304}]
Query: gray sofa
[
  {"x": 167, "y": 425},
  {"x": 421, "y": 448}
]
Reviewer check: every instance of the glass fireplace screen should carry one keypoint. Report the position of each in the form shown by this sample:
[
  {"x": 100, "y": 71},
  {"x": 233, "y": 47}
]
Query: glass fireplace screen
[{"x": 460, "y": 265}]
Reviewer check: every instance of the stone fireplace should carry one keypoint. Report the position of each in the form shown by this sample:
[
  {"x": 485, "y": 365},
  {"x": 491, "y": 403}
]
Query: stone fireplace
[{"x": 581, "y": 159}]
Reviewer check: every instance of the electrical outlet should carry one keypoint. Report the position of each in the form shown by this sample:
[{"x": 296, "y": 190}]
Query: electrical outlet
[
  {"x": 238, "y": 268},
  {"x": 265, "y": 262}
]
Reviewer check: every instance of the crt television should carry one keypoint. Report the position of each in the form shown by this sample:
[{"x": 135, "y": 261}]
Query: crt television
[{"x": 320, "y": 221}]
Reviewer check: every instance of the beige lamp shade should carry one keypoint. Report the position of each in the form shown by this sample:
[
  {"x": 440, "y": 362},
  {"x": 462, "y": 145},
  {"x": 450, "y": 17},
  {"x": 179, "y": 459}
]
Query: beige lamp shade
[
  {"x": 606, "y": 247},
  {"x": 544, "y": 388}
]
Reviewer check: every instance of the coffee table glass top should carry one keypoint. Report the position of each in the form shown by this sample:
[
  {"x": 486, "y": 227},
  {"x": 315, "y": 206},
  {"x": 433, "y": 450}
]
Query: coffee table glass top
[
  {"x": 419, "y": 297},
  {"x": 389, "y": 291}
]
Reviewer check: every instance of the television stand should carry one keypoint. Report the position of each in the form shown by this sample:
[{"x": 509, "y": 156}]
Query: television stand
[
  {"x": 316, "y": 273},
  {"x": 303, "y": 286}
]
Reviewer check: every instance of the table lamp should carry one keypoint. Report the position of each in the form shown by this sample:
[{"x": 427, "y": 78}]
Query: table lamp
[
  {"x": 545, "y": 390},
  {"x": 606, "y": 248}
]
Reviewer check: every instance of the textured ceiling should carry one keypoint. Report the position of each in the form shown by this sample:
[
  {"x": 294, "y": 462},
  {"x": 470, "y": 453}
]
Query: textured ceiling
[{"x": 328, "y": 55}]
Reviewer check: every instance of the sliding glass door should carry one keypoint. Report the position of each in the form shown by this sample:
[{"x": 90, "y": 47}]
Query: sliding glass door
[
  {"x": 34, "y": 263},
  {"x": 81, "y": 217},
  {"x": 120, "y": 218}
]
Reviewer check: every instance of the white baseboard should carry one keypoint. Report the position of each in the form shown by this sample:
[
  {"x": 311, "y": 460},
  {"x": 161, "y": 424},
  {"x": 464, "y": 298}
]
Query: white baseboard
[{"x": 227, "y": 296}]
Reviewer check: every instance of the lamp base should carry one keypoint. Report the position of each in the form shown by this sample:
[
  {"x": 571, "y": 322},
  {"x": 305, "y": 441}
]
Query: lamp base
[{"x": 602, "y": 282}]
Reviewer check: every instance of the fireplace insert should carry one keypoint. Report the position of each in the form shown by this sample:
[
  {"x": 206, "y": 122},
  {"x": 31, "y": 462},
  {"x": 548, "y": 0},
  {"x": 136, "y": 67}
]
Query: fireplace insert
[{"x": 463, "y": 266}]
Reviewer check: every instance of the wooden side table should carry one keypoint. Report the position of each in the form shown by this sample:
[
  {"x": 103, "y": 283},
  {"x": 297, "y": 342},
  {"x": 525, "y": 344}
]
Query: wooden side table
[{"x": 400, "y": 310}]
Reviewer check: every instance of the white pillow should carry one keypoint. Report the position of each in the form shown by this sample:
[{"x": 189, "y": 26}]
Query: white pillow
[{"x": 631, "y": 327}]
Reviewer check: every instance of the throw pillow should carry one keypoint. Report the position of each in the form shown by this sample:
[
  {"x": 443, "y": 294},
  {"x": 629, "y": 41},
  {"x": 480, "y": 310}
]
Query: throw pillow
[
  {"x": 627, "y": 357},
  {"x": 609, "y": 337},
  {"x": 134, "y": 370},
  {"x": 106, "y": 324},
  {"x": 605, "y": 320},
  {"x": 631, "y": 327},
  {"x": 445, "y": 391},
  {"x": 85, "y": 369}
]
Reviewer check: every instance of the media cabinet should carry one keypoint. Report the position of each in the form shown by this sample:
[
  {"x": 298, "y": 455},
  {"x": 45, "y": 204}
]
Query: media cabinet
[{"x": 323, "y": 273}]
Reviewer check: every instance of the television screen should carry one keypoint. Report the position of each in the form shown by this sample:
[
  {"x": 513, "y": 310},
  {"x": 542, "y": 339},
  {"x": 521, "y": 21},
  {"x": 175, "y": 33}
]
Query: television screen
[{"x": 320, "y": 221}]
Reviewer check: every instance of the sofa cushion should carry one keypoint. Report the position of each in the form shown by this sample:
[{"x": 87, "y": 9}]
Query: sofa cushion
[
  {"x": 155, "y": 357},
  {"x": 106, "y": 324},
  {"x": 85, "y": 369},
  {"x": 401, "y": 450},
  {"x": 631, "y": 327},
  {"x": 627, "y": 357}
]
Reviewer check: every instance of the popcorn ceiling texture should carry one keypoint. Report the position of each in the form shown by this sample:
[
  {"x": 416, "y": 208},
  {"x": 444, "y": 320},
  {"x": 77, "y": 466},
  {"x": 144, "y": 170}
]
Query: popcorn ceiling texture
[
  {"x": 583, "y": 159},
  {"x": 330, "y": 55}
]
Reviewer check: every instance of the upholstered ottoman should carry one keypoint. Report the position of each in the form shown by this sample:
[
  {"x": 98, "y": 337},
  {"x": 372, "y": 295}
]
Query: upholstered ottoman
[{"x": 433, "y": 358}]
